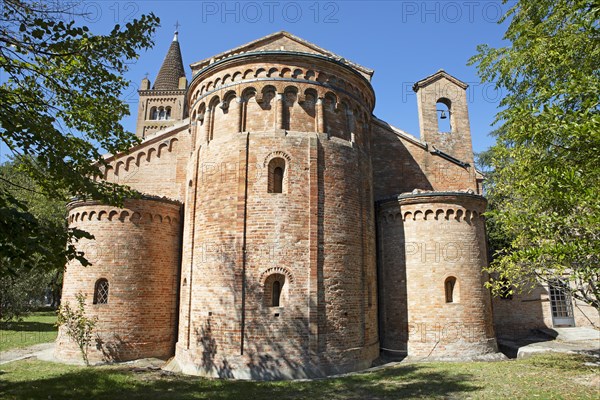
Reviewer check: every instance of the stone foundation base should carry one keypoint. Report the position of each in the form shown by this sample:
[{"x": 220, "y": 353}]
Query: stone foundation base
[
  {"x": 263, "y": 367},
  {"x": 455, "y": 350}
]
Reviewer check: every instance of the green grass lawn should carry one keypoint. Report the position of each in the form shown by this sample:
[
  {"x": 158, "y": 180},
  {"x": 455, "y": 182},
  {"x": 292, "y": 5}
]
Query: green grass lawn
[
  {"x": 37, "y": 328},
  {"x": 556, "y": 376},
  {"x": 543, "y": 377}
]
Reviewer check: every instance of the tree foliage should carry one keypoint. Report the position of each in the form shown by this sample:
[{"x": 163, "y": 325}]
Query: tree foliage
[
  {"x": 19, "y": 295},
  {"x": 498, "y": 238},
  {"x": 545, "y": 184},
  {"x": 40, "y": 267},
  {"x": 60, "y": 109}
]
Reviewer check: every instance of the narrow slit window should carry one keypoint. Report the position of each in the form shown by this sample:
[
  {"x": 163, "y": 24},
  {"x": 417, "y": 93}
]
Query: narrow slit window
[
  {"x": 274, "y": 290},
  {"x": 276, "y": 176},
  {"x": 278, "y": 180},
  {"x": 276, "y": 293},
  {"x": 450, "y": 286}
]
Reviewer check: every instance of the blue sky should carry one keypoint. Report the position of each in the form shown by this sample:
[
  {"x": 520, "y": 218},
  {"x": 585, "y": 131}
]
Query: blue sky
[{"x": 403, "y": 41}]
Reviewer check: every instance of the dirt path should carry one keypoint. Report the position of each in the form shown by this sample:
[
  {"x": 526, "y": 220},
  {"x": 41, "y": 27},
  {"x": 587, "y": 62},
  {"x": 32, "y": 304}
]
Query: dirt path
[{"x": 26, "y": 352}]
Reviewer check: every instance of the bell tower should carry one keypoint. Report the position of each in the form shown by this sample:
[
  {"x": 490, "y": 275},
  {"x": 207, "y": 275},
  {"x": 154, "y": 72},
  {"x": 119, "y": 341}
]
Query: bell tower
[
  {"x": 163, "y": 104},
  {"x": 443, "y": 115}
]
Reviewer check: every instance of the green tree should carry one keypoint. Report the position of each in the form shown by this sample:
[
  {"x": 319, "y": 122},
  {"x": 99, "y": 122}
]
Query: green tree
[
  {"x": 29, "y": 279},
  {"x": 498, "y": 238},
  {"x": 545, "y": 185},
  {"x": 20, "y": 294},
  {"x": 60, "y": 109}
]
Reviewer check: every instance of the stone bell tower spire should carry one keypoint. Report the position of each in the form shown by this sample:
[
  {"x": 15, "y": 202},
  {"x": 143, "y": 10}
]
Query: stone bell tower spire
[
  {"x": 172, "y": 67},
  {"x": 163, "y": 105}
]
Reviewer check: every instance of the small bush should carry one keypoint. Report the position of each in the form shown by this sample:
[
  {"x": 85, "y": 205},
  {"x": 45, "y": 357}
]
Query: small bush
[{"x": 78, "y": 326}]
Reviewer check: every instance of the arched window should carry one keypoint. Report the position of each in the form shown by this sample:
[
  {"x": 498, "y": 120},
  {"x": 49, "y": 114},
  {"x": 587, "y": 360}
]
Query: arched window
[
  {"x": 168, "y": 113},
  {"x": 450, "y": 288},
  {"x": 444, "y": 115},
  {"x": 276, "y": 175},
  {"x": 153, "y": 113},
  {"x": 274, "y": 288},
  {"x": 101, "y": 292},
  {"x": 161, "y": 113}
]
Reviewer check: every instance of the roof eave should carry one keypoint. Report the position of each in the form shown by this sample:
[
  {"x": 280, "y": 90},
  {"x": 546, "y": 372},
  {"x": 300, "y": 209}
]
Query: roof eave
[
  {"x": 235, "y": 51},
  {"x": 437, "y": 76}
]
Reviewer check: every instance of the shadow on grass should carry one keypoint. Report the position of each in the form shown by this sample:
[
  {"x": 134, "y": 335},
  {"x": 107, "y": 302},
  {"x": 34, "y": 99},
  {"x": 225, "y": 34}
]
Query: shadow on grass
[
  {"x": 113, "y": 383},
  {"x": 28, "y": 326}
]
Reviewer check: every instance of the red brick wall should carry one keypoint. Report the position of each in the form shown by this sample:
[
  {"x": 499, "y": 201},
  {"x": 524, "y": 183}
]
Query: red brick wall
[
  {"x": 457, "y": 143},
  {"x": 524, "y": 312},
  {"x": 136, "y": 249},
  {"x": 427, "y": 238},
  {"x": 318, "y": 233},
  {"x": 156, "y": 167},
  {"x": 317, "y": 237},
  {"x": 146, "y": 127},
  {"x": 402, "y": 164}
]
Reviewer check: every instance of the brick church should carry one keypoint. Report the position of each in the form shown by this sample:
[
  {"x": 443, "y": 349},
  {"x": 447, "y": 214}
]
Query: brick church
[{"x": 284, "y": 231}]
